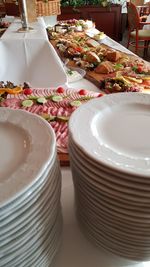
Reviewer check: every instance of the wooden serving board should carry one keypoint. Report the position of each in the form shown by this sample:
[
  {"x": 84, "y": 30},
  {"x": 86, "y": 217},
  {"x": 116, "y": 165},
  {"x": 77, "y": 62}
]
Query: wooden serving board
[{"x": 64, "y": 159}]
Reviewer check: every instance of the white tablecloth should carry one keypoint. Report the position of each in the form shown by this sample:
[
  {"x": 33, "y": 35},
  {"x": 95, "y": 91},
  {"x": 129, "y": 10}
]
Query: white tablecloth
[{"x": 30, "y": 57}]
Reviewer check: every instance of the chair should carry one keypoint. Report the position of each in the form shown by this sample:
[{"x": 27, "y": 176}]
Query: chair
[
  {"x": 136, "y": 34},
  {"x": 12, "y": 9}
]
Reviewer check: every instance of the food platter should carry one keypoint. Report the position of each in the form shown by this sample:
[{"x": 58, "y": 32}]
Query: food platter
[
  {"x": 55, "y": 105},
  {"x": 109, "y": 69}
]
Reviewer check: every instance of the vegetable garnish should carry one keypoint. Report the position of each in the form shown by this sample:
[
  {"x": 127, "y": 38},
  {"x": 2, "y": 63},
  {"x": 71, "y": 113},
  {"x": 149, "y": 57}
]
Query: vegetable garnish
[
  {"x": 75, "y": 103},
  {"x": 15, "y": 90},
  {"x": 54, "y": 118},
  {"x": 27, "y": 91},
  {"x": 118, "y": 66},
  {"x": 41, "y": 100},
  {"x": 27, "y": 103},
  {"x": 60, "y": 90},
  {"x": 56, "y": 98},
  {"x": 82, "y": 92}
]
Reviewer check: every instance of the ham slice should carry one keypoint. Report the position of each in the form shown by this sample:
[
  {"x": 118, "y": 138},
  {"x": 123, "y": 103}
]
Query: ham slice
[{"x": 51, "y": 108}]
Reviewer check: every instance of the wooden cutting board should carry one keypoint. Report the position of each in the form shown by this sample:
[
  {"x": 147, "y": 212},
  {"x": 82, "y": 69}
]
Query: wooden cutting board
[{"x": 64, "y": 159}]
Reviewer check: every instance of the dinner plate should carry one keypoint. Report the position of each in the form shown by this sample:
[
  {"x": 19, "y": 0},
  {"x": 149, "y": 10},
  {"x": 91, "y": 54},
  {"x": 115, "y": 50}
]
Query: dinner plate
[
  {"x": 94, "y": 209},
  {"x": 31, "y": 192},
  {"x": 103, "y": 135},
  {"x": 118, "y": 177},
  {"x": 97, "y": 197},
  {"x": 110, "y": 246},
  {"x": 16, "y": 230},
  {"x": 126, "y": 214},
  {"x": 36, "y": 246},
  {"x": 97, "y": 166},
  {"x": 127, "y": 241},
  {"x": 26, "y": 140},
  {"x": 32, "y": 195},
  {"x": 36, "y": 209},
  {"x": 127, "y": 185},
  {"x": 121, "y": 192},
  {"x": 25, "y": 240}
]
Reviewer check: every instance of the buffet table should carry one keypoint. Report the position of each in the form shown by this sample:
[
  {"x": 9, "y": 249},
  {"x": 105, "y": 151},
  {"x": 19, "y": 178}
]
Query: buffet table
[
  {"x": 34, "y": 62},
  {"x": 29, "y": 57}
]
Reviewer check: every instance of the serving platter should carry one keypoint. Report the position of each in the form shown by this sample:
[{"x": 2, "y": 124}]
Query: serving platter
[
  {"x": 101, "y": 62},
  {"x": 55, "y": 105}
]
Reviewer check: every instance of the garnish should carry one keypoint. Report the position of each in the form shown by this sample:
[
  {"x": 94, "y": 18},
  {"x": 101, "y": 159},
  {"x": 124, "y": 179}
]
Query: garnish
[
  {"x": 134, "y": 68},
  {"x": 62, "y": 118},
  {"x": 57, "y": 98},
  {"x": 1, "y": 99},
  {"x": 60, "y": 90},
  {"x": 50, "y": 118},
  {"x": 70, "y": 72},
  {"x": 32, "y": 97},
  {"x": 100, "y": 94},
  {"x": 27, "y": 91},
  {"x": 136, "y": 80},
  {"x": 82, "y": 92},
  {"x": 118, "y": 66},
  {"x": 15, "y": 90},
  {"x": 27, "y": 103},
  {"x": 75, "y": 103},
  {"x": 41, "y": 100}
]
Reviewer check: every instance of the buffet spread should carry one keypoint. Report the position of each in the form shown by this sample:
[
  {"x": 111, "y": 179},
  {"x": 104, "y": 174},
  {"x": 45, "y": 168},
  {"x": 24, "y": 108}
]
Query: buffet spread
[
  {"x": 110, "y": 165},
  {"x": 111, "y": 70},
  {"x": 79, "y": 46}
]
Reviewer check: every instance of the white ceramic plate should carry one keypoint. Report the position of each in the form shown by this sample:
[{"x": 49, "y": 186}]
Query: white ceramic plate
[
  {"x": 31, "y": 195},
  {"x": 125, "y": 195},
  {"x": 127, "y": 181},
  {"x": 31, "y": 213},
  {"x": 114, "y": 131},
  {"x": 27, "y": 144},
  {"x": 37, "y": 242},
  {"x": 120, "y": 177}
]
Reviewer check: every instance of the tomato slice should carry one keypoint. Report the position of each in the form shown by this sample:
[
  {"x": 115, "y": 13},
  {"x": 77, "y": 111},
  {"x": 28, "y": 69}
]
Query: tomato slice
[
  {"x": 146, "y": 82},
  {"x": 82, "y": 92}
]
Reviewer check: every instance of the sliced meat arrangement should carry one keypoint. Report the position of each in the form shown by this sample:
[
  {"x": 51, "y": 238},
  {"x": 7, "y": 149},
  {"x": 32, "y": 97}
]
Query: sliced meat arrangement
[{"x": 54, "y": 105}]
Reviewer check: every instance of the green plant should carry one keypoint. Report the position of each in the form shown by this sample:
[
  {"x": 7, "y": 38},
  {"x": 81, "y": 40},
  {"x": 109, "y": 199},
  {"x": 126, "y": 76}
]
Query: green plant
[
  {"x": 74, "y": 3},
  {"x": 78, "y": 3}
]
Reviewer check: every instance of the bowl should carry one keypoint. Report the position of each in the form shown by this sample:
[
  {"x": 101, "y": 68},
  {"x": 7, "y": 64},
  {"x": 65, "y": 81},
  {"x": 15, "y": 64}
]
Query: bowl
[{"x": 74, "y": 74}]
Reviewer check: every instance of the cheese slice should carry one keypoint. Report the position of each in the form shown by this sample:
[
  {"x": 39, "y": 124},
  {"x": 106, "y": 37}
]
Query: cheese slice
[
  {"x": 136, "y": 80},
  {"x": 92, "y": 42}
]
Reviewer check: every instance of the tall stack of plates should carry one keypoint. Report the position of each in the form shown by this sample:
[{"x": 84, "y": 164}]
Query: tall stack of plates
[
  {"x": 30, "y": 184},
  {"x": 109, "y": 146}
]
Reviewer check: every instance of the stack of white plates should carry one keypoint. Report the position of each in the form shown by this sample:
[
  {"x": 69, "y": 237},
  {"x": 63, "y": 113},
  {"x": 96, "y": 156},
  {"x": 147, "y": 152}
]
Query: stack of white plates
[
  {"x": 109, "y": 146},
  {"x": 30, "y": 184}
]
